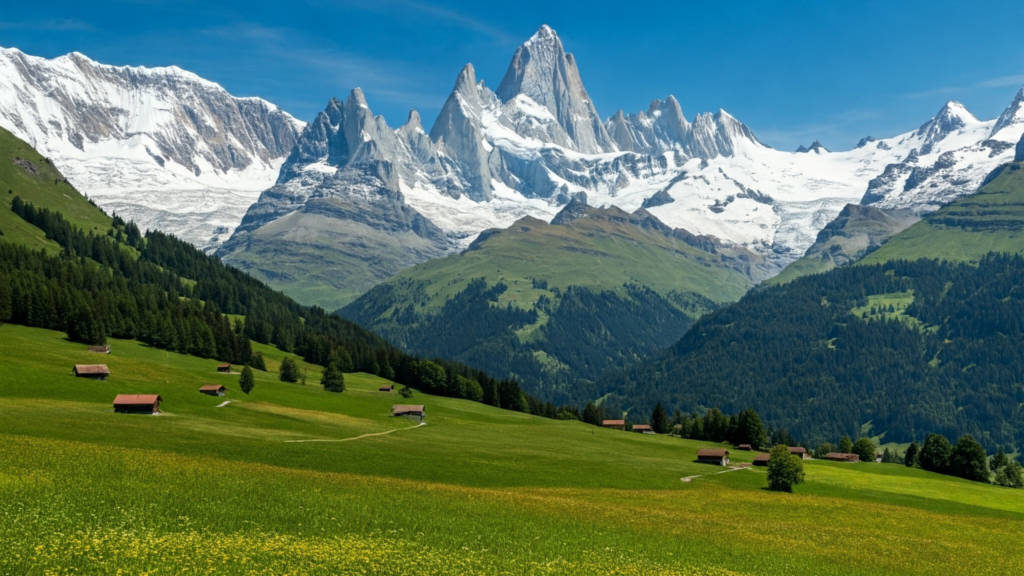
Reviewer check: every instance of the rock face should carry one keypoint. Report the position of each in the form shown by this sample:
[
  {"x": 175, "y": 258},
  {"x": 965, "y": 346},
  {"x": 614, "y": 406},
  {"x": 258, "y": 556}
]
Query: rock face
[
  {"x": 1020, "y": 151},
  {"x": 161, "y": 146}
]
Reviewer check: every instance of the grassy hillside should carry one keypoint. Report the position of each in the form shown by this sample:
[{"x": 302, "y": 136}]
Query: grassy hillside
[
  {"x": 991, "y": 220},
  {"x": 228, "y": 490},
  {"x": 26, "y": 173},
  {"x": 556, "y": 304}
]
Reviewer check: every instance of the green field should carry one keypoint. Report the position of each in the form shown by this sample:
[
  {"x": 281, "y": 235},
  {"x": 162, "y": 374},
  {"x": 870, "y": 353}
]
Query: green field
[{"x": 242, "y": 489}]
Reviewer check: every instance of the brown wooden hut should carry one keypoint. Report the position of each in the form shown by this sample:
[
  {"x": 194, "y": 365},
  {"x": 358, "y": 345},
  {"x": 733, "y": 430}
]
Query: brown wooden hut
[
  {"x": 842, "y": 457},
  {"x": 213, "y": 390},
  {"x": 224, "y": 368},
  {"x": 137, "y": 403},
  {"x": 643, "y": 428},
  {"x": 799, "y": 452},
  {"x": 411, "y": 411},
  {"x": 719, "y": 456},
  {"x": 388, "y": 388},
  {"x": 745, "y": 447},
  {"x": 615, "y": 424},
  {"x": 95, "y": 371},
  {"x": 99, "y": 349},
  {"x": 762, "y": 459}
]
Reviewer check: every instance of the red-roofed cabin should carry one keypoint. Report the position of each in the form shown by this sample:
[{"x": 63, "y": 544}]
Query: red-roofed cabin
[
  {"x": 643, "y": 428},
  {"x": 387, "y": 388},
  {"x": 413, "y": 412},
  {"x": 719, "y": 456},
  {"x": 616, "y": 424},
  {"x": 137, "y": 403},
  {"x": 745, "y": 447},
  {"x": 224, "y": 368},
  {"x": 213, "y": 390},
  {"x": 799, "y": 451},
  {"x": 97, "y": 371},
  {"x": 842, "y": 457},
  {"x": 762, "y": 459}
]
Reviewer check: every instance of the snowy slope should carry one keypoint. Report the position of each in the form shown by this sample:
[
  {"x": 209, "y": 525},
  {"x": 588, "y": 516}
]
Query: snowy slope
[{"x": 161, "y": 146}]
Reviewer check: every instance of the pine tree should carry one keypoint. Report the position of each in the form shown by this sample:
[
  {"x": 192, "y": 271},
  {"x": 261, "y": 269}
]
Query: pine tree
[
  {"x": 591, "y": 415},
  {"x": 999, "y": 460},
  {"x": 257, "y": 362},
  {"x": 846, "y": 445},
  {"x": 659, "y": 420},
  {"x": 246, "y": 381},
  {"x": 333, "y": 380},
  {"x": 289, "y": 370},
  {"x": 910, "y": 458}
]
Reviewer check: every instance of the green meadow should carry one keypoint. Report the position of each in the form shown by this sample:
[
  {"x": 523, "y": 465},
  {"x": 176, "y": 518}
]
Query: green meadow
[{"x": 294, "y": 480}]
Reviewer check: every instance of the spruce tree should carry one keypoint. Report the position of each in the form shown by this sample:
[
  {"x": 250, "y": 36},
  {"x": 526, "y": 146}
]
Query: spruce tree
[
  {"x": 258, "y": 362},
  {"x": 659, "y": 420},
  {"x": 289, "y": 370},
  {"x": 999, "y": 460},
  {"x": 846, "y": 445},
  {"x": 591, "y": 415},
  {"x": 969, "y": 460},
  {"x": 246, "y": 381},
  {"x": 333, "y": 380},
  {"x": 910, "y": 458}
]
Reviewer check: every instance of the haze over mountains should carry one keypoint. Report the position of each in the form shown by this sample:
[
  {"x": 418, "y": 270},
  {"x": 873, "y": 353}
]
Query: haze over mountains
[{"x": 356, "y": 200}]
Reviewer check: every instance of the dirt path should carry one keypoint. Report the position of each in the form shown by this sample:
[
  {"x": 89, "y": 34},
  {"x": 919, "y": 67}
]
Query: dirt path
[
  {"x": 357, "y": 437},
  {"x": 731, "y": 469},
  {"x": 223, "y": 404}
]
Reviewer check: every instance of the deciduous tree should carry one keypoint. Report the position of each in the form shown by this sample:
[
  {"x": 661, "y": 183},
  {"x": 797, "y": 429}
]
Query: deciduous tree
[
  {"x": 935, "y": 454},
  {"x": 784, "y": 469},
  {"x": 969, "y": 460}
]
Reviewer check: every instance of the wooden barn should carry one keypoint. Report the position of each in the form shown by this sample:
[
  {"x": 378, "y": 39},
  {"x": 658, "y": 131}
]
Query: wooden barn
[
  {"x": 224, "y": 368},
  {"x": 762, "y": 459},
  {"x": 213, "y": 390},
  {"x": 95, "y": 371},
  {"x": 643, "y": 428},
  {"x": 388, "y": 388},
  {"x": 718, "y": 456},
  {"x": 799, "y": 452},
  {"x": 842, "y": 457},
  {"x": 614, "y": 424},
  {"x": 411, "y": 411},
  {"x": 745, "y": 447},
  {"x": 137, "y": 403},
  {"x": 99, "y": 349}
]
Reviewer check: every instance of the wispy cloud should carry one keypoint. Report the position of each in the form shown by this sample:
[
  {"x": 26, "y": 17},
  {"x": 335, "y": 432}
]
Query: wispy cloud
[
  {"x": 833, "y": 125},
  {"x": 449, "y": 16},
  {"x": 999, "y": 82},
  {"x": 49, "y": 25}
]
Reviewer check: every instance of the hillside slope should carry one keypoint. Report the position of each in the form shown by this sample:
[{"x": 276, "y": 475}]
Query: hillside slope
[
  {"x": 991, "y": 220},
  {"x": 25, "y": 172},
  {"x": 293, "y": 479},
  {"x": 556, "y": 304}
]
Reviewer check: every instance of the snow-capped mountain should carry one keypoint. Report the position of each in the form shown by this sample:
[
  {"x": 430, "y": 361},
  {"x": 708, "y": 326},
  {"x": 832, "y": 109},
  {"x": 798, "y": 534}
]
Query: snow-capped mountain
[
  {"x": 527, "y": 149},
  {"x": 948, "y": 157},
  {"x": 161, "y": 146}
]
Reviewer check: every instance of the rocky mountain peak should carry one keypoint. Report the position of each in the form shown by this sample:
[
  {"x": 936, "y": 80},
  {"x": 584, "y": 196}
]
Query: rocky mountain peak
[
  {"x": 952, "y": 117},
  {"x": 815, "y": 147},
  {"x": 1012, "y": 116},
  {"x": 543, "y": 72}
]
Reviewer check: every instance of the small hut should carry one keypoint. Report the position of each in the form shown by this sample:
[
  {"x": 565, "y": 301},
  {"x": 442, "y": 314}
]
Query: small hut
[
  {"x": 388, "y": 388},
  {"x": 799, "y": 452},
  {"x": 226, "y": 368},
  {"x": 410, "y": 411},
  {"x": 745, "y": 447},
  {"x": 643, "y": 428},
  {"x": 94, "y": 371},
  {"x": 137, "y": 403},
  {"x": 842, "y": 457},
  {"x": 718, "y": 456},
  {"x": 213, "y": 390},
  {"x": 614, "y": 424},
  {"x": 99, "y": 349},
  {"x": 762, "y": 459}
]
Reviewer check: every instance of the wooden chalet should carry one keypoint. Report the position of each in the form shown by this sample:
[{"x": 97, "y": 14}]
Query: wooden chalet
[
  {"x": 137, "y": 403},
  {"x": 842, "y": 457},
  {"x": 99, "y": 349},
  {"x": 762, "y": 459},
  {"x": 388, "y": 388},
  {"x": 224, "y": 368},
  {"x": 95, "y": 371},
  {"x": 718, "y": 456},
  {"x": 747, "y": 447},
  {"x": 614, "y": 424},
  {"x": 643, "y": 428},
  {"x": 799, "y": 452},
  {"x": 213, "y": 390},
  {"x": 411, "y": 411}
]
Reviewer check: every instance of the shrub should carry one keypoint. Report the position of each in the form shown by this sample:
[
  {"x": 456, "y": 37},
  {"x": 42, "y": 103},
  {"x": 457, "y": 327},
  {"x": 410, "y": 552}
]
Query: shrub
[{"x": 1011, "y": 476}]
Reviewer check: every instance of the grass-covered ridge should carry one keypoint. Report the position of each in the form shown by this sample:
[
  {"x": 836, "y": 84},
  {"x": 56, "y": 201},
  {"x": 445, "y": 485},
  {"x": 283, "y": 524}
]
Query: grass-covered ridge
[
  {"x": 990, "y": 220},
  {"x": 556, "y": 304},
  {"x": 477, "y": 490}
]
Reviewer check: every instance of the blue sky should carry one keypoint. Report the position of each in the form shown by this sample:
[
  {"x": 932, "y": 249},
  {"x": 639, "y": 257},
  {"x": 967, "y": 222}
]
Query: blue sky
[{"x": 794, "y": 71}]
